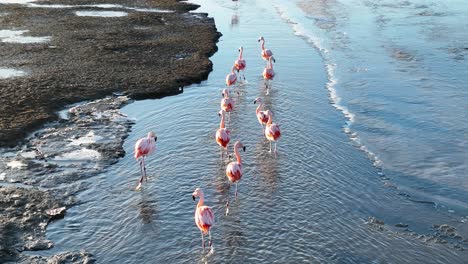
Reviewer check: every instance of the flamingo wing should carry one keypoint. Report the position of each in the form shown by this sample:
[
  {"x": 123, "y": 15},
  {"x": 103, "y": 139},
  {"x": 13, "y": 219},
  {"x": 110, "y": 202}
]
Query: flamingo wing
[
  {"x": 204, "y": 218},
  {"x": 144, "y": 146}
]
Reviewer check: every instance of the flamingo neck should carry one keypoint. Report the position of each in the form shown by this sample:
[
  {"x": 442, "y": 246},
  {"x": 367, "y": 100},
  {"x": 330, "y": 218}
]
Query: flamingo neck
[
  {"x": 221, "y": 125},
  {"x": 240, "y": 54},
  {"x": 270, "y": 65},
  {"x": 263, "y": 44},
  {"x": 201, "y": 201},
  {"x": 270, "y": 120},
  {"x": 233, "y": 69},
  {"x": 236, "y": 152},
  {"x": 258, "y": 108}
]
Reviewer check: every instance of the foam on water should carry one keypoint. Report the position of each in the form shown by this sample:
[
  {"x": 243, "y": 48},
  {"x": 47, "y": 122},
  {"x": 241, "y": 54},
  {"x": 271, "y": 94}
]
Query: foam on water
[
  {"x": 101, "y": 13},
  {"x": 2, "y": 176},
  {"x": 319, "y": 44},
  {"x": 10, "y": 73}
]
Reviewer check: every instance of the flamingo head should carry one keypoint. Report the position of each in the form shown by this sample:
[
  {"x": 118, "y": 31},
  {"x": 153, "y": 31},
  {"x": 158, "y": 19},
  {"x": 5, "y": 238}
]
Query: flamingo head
[
  {"x": 239, "y": 145},
  {"x": 151, "y": 134},
  {"x": 241, "y": 49},
  {"x": 261, "y": 39},
  {"x": 221, "y": 112},
  {"x": 258, "y": 99},
  {"x": 225, "y": 92},
  {"x": 197, "y": 193},
  {"x": 272, "y": 59}
]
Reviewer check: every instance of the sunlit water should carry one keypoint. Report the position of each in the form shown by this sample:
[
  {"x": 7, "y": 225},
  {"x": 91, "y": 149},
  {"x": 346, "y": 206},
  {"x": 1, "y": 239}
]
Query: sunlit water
[{"x": 311, "y": 203}]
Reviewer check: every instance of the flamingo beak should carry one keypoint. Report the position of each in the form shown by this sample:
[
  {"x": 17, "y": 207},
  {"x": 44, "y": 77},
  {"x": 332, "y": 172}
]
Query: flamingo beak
[
  {"x": 155, "y": 139},
  {"x": 219, "y": 114},
  {"x": 222, "y": 94},
  {"x": 193, "y": 197},
  {"x": 274, "y": 60},
  {"x": 244, "y": 148},
  {"x": 255, "y": 101}
]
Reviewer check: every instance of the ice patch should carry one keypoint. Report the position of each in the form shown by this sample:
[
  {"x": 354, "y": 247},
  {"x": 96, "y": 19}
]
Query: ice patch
[
  {"x": 9, "y": 73},
  {"x": 87, "y": 139},
  {"x": 16, "y": 36},
  {"x": 28, "y": 154},
  {"x": 16, "y": 164},
  {"x": 82, "y": 154},
  {"x": 22, "y": 2},
  {"x": 101, "y": 13}
]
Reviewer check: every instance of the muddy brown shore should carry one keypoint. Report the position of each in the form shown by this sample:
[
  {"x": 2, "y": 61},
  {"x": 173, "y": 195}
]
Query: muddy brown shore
[{"x": 145, "y": 54}]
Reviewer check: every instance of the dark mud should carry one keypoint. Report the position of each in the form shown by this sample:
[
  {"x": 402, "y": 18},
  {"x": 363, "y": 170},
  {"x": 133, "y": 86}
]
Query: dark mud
[{"x": 143, "y": 55}]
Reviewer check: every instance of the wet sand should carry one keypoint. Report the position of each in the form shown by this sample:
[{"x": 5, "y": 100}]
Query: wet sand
[
  {"x": 140, "y": 53},
  {"x": 144, "y": 54}
]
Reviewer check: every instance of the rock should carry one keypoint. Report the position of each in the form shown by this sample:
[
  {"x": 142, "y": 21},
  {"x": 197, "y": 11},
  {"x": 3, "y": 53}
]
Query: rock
[
  {"x": 56, "y": 213},
  {"x": 401, "y": 225},
  {"x": 39, "y": 244}
]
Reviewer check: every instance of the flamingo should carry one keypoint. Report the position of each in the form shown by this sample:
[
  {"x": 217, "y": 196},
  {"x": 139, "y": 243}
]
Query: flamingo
[
  {"x": 234, "y": 169},
  {"x": 266, "y": 53},
  {"x": 204, "y": 217},
  {"x": 272, "y": 131},
  {"x": 269, "y": 73},
  {"x": 261, "y": 115},
  {"x": 222, "y": 134},
  {"x": 231, "y": 78},
  {"x": 240, "y": 63},
  {"x": 227, "y": 104},
  {"x": 144, "y": 147}
]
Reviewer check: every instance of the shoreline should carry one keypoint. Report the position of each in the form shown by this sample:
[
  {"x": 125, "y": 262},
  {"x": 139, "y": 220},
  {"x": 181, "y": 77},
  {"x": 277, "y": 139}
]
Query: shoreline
[
  {"x": 151, "y": 55},
  {"x": 148, "y": 66}
]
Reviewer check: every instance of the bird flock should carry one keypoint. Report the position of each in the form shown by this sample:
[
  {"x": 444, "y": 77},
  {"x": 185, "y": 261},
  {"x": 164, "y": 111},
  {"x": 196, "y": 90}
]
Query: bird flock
[{"x": 204, "y": 216}]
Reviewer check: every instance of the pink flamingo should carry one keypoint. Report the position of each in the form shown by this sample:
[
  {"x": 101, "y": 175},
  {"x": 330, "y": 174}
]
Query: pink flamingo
[
  {"x": 222, "y": 134},
  {"x": 269, "y": 73},
  {"x": 262, "y": 116},
  {"x": 231, "y": 78},
  {"x": 240, "y": 63},
  {"x": 227, "y": 104},
  {"x": 272, "y": 131},
  {"x": 144, "y": 147},
  {"x": 266, "y": 53},
  {"x": 234, "y": 169},
  {"x": 204, "y": 217}
]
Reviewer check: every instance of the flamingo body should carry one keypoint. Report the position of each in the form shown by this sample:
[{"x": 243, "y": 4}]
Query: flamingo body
[
  {"x": 231, "y": 78},
  {"x": 268, "y": 74},
  {"x": 227, "y": 103},
  {"x": 272, "y": 132},
  {"x": 240, "y": 64},
  {"x": 266, "y": 54},
  {"x": 234, "y": 171},
  {"x": 204, "y": 218},
  {"x": 223, "y": 137}
]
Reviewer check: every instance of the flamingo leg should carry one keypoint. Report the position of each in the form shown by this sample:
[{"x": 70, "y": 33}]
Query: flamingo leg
[
  {"x": 141, "y": 178},
  {"x": 236, "y": 191},
  {"x": 275, "y": 149},
  {"x": 209, "y": 235},
  {"x": 144, "y": 168},
  {"x": 202, "y": 240},
  {"x": 227, "y": 205},
  {"x": 270, "y": 147}
]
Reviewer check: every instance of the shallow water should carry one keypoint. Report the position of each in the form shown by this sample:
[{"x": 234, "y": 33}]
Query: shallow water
[{"x": 315, "y": 202}]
